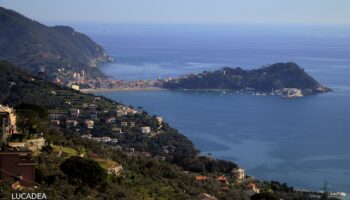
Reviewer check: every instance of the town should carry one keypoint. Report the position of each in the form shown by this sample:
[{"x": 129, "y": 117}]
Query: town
[{"x": 77, "y": 81}]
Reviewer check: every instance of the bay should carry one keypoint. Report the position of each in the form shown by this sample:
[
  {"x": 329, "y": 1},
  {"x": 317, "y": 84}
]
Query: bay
[{"x": 300, "y": 141}]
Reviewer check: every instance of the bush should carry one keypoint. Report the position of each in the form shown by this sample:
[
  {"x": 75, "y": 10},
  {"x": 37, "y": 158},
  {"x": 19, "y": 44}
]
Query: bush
[
  {"x": 265, "y": 196},
  {"x": 84, "y": 170}
]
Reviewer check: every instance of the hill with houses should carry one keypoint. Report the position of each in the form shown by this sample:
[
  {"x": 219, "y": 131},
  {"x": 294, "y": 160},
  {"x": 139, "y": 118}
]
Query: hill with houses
[{"x": 127, "y": 153}]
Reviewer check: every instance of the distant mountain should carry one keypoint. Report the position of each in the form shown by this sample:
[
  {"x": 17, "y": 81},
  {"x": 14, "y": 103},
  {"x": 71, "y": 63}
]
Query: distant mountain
[
  {"x": 265, "y": 79},
  {"x": 34, "y": 46}
]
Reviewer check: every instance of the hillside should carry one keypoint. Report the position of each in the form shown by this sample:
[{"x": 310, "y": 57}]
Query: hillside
[
  {"x": 34, "y": 46},
  {"x": 160, "y": 165},
  {"x": 265, "y": 79}
]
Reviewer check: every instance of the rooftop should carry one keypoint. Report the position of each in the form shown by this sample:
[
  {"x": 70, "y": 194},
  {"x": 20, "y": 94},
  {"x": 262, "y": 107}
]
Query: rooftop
[{"x": 5, "y": 109}]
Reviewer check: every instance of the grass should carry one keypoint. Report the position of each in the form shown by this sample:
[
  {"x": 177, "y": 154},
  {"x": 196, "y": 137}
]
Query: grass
[
  {"x": 105, "y": 163},
  {"x": 67, "y": 150}
]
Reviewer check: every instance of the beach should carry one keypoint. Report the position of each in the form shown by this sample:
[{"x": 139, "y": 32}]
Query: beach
[{"x": 92, "y": 90}]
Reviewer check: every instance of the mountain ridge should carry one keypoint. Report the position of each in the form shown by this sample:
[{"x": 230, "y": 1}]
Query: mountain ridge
[{"x": 36, "y": 47}]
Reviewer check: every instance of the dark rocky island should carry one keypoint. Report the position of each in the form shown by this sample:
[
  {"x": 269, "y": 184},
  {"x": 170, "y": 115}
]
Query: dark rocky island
[
  {"x": 285, "y": 79},
  {"x": 36, "y": 47}
]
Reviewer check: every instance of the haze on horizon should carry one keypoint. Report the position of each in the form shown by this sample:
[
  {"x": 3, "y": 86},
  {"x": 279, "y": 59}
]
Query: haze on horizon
[{"x": 326, "y": 12}]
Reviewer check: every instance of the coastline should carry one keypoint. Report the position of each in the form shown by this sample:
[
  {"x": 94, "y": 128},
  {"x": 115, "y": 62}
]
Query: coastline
[{"x": 121, "y": 89}]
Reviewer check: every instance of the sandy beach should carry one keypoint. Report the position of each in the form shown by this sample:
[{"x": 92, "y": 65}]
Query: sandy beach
[{"x": 120, "y": 89}]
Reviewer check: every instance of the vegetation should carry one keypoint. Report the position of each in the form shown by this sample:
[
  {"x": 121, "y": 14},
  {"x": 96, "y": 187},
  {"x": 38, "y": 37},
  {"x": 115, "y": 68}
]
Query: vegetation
[
  {"x": 31, "y": 45},
  {"x": 265, "y": 79},
  {"x": 85, "y": 171},
  {"x": 264, "y": 196}
]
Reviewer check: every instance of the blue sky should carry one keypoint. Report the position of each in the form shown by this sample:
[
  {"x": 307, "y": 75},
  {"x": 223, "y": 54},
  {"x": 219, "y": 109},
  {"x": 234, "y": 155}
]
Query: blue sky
[{"x": 186, "y": 11}]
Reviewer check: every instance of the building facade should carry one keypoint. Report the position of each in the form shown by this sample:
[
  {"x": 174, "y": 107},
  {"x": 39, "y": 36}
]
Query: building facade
[
  {"x": 18, "y": 164},
  {"x": 7, "y": 122}
]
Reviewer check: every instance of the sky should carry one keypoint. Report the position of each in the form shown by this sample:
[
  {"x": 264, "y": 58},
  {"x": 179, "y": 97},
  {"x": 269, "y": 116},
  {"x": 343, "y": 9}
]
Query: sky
[{"x": 186, "y": 11}]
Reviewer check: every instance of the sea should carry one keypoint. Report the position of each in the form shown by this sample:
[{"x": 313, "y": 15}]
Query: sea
[{"x": 303, "y": 142}]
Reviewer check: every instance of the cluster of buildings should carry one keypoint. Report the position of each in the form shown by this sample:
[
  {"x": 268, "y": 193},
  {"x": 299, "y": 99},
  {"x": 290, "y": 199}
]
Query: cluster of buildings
[
  {"x": 16, "y": 158},
  {"x": 118, "y": 120},
  {"x": 104, "y": 139},
  {"x": 64, "y": 76},
  {"x": 237, "y": 176},
  {"x": 289, "y": 93},
  {"x": 106, "y": 84}
]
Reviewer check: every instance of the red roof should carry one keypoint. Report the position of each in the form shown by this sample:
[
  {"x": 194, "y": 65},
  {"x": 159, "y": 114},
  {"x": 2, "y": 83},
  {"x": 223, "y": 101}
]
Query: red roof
[
  {"x": 251, "y": 186},
  {"x": 222, "y": 179},
  {"x": 225, "y": 188},
  {"x": 201, "y": 178}
]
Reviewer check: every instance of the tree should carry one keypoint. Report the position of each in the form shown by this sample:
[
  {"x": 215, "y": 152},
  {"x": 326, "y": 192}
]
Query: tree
[
  {"x": 83, "y": 170},
  {"x": 32, "y": 118},
  {"x": 264, "y": 196}
]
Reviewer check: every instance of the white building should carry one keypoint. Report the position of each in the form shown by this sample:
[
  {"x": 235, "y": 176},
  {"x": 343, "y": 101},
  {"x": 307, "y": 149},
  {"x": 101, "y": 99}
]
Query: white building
[
  {"x": 146, "y": 129},
  {"x": 238, "y": 174},
  {"x": 89, "y": 124}
]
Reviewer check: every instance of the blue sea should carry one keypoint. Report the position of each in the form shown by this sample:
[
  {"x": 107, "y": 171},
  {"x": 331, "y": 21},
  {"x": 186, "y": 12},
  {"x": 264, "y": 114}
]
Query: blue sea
[{"x": 301, "y": 141}]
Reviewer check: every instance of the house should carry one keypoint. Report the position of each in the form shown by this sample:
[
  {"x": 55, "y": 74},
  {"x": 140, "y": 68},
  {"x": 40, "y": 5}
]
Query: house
[
  {"x": 238, "y": 174},
  {"x": 205, "y": 196},
  {"x": 131, "y": 111},
  {"x": 291, "y": 93},
  {"x": 160, "y": 120},
  {"x": 93, "y": 115},
  {"x": 92, "y": 106},
  {"x": 252, "y": 187},
  {"x": 55, "y": 123},
  {"x": 121, "y": 112},
  {"x": 71, "y": 123},
  {"x": 116, "y": 129},
  {"x": 85, "y": 105},
  {"x": 115, "y": 169},
  {"x": 111, "y": 120},
  {"x": 105, "y": 139},
  {"x": 132, "y": 124},
  {"x": 113, "y": 141},
  {"x": 123, "y": 124},
  {"x": 18, "y": 163},
  {"x": 222, "y": 179},
  {"x": 146, "y": 129},
  {"x": 7, "y": 122},
  {"x": 87, "y": 136},
  {"x": 56, "y": 116},
  {"x": 35, "y": 145},
  {"x": 201, "y": 178},
  {"x": 169, "y": 148},
  {"x": 89, "y": 124},
  {"x": 75, "y": 87},
  {"x": 74, "y": 112}
]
